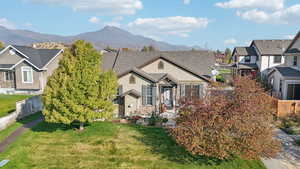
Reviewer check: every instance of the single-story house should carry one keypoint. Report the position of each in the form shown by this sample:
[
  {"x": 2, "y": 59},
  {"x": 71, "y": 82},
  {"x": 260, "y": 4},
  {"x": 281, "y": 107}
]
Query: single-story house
[
  {"x": 156, "y": 81},
  {"x": 25, "y": 69}
]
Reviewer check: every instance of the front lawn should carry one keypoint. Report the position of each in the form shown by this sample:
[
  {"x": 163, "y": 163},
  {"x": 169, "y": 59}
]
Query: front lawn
[
  {"x": 8, "y": 103},
  {"x": 107, "y": 145}
]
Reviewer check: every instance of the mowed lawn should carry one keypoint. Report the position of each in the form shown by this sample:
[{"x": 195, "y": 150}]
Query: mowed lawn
[
  {"x": 8, "y": 103},
  {"x": 107, "y": 145}
]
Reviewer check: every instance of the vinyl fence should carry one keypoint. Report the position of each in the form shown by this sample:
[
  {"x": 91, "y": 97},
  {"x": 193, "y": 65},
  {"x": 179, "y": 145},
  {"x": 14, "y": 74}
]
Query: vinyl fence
[{"x": 23, "y": 108}]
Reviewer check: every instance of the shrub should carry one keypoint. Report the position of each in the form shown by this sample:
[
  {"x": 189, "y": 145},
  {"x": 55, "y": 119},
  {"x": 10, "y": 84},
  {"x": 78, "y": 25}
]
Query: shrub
[{"x": 227, "y": 125}]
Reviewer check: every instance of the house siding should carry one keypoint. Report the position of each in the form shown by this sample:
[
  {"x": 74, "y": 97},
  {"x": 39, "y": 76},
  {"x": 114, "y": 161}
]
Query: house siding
[
  {"x": 133, "y": 104},
  {"x": 7, "y": 58},
  {"x": 179, "y": 73},
  {"x": 242, "y": 59},
  {"x": 27, "y": 86}
]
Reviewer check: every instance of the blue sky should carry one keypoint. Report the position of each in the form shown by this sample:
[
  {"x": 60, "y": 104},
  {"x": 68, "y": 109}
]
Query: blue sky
[{"x": 214, "y": 24}]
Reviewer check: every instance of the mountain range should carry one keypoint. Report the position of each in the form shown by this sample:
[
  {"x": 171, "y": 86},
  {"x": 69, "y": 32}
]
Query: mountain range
[{"x": 108, "y": 36}]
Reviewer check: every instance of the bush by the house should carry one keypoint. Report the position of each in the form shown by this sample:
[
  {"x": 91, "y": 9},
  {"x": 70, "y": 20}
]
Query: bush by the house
[
  {"x": 79, "y": 91},
  {"x": 227, "y": 125},
  {"x": 290, "y": 124}
]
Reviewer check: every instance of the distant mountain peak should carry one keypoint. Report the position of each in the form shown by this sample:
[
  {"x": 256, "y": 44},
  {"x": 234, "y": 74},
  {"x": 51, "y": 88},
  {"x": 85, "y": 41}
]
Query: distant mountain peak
[{"x": 112, "y": 36}]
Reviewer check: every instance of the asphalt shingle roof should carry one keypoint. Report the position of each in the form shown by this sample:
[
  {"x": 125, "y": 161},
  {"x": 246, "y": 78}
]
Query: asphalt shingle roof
[
  {"x": 245, "y": 51},
  {"x": 288, "y": 72},
  {"x": 199, "y": 62},
  {"x": 38, "y": 57},
  {"x": 6, "y": 66},
  {"x": 272, "y": 47}
]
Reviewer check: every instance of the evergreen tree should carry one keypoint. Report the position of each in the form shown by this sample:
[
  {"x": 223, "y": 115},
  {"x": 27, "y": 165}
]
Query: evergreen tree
[
  {"x": 2, "y": 45},
  {"x": 228, "y": 55},
  {"x": 79, "y": 91}
]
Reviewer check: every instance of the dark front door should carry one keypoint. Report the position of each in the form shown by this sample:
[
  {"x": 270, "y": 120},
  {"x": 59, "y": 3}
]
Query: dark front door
[
  {"x": 167, "y": 94},
  {"x": 293, "y": 92}
]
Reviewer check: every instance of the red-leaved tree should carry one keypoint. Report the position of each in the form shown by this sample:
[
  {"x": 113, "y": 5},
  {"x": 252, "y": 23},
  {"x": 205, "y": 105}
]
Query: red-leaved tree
[{"x": 231, "y": 124}]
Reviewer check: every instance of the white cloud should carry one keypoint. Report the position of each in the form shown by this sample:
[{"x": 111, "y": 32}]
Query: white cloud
[
  {"x": 177, "y": 25},
  {"x": 28, "y": 24},
  {"x": 94, "y": 19},
  {"x": 186, "y": 2},
  {"x": 116, "y": 24},
  {"x": 101, "y": 6},
  {"x": 265, "y": 4},
  {"x": 230, "y": 41},
  {"x": 289, "y": 36},
  {"x": 288, "y": 15},
  {"x": 7, "y": 24}
]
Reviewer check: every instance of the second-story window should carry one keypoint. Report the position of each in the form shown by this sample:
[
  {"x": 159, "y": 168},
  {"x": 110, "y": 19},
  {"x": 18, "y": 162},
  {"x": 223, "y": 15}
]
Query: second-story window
[
  {"x": 295, "y": 61},
  {"x": 277, "y": 59},
  {"x": 247, "y": 59}
]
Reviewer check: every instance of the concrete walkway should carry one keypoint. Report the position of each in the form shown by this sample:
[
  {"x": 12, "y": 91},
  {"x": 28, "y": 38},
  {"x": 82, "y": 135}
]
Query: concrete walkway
[
  {"x": 13, "y": 136},
  {"x": 289, "y": 158}
]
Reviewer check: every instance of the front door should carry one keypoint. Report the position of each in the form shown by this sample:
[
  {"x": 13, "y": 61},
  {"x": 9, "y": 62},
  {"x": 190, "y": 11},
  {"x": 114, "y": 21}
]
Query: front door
[{"x": 167, "y": 97}]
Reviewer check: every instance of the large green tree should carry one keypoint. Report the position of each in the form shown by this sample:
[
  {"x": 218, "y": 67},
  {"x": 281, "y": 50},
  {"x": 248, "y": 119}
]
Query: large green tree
[{"x": 79, "y": 91}]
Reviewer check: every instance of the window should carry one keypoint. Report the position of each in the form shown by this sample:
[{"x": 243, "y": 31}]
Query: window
[
  {"x": 280, "y": 86},
  {"x": 247, "y": 59},
  {"x": 27, "y": 74},
  {"x": 191, "y": 91},
  {"x": 149, "y": 95},
  {"x": 295, "y": 61},
  {"x": 132, "y": 80},
  {"x": 161, "y": 65},
  {"x": 277, "y": 59},
  {"x": 8, "y": 76}
]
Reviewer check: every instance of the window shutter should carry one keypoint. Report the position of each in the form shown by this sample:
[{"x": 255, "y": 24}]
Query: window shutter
[
  {"x": 182, "y": 90},
  {"x": 144, "y": 96},
  {"x": 154, "y": 95}
]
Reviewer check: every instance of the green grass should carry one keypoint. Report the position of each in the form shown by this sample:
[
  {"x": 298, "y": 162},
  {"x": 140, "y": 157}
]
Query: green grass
[
  {"x": 8, "y": 103},
  {"x": 224, "y": 71},
  {"x": 108, "y": 146},
  {"x": 6, "y": 132}
]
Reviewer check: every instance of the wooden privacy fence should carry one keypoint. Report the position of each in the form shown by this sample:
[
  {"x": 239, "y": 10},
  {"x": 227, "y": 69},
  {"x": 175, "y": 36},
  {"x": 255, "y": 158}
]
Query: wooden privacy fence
[{"x": 288, "y": 107}]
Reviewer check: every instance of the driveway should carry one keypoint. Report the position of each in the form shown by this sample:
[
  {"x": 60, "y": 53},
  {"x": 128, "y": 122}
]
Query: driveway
[{"x": 289, "y": 158}]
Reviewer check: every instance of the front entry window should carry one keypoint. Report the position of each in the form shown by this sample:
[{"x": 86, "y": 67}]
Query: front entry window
[
  {"x": 149, "y": 95},
  {"x": 27, "y": 74},
  {"x": 167, "y": 96}
]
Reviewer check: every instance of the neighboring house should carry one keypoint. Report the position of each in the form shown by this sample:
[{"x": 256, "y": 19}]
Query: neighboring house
[
  {"x": 269, "y": 54},
  {"x": 244, "y": 60},
  {"x": 25, "y": 69},
  {"x": 285, "y": 78},
  {"x": 156, "y": 81}
]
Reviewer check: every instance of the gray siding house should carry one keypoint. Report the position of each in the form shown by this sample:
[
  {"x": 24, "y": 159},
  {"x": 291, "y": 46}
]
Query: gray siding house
[
  {"x": 285, "y": 78},
  {"x": 156, "y": 81},
  {"x": 25, "y": 69},
  {"x": 244, "y": 60}
]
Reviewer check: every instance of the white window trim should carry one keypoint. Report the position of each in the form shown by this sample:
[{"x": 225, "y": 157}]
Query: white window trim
[{"x": 31, "y": 71}]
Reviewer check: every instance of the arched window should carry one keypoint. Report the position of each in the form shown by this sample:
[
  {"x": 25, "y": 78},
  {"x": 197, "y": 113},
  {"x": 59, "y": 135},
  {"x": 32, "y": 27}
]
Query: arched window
[
  {"x": 161, "y": 65},
  {"x": 132, "y": 80}
]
